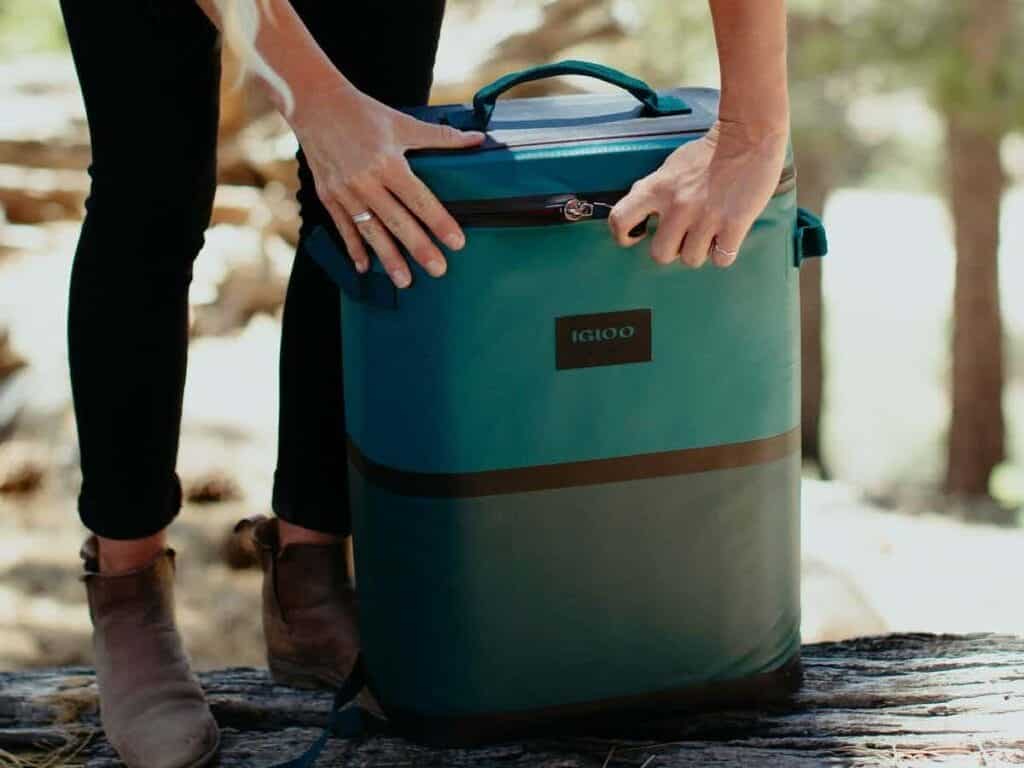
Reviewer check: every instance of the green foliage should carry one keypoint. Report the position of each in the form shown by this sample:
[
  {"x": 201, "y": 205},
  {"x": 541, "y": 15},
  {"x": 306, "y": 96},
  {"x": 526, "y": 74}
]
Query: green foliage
[{"x": 922, "y": 43}]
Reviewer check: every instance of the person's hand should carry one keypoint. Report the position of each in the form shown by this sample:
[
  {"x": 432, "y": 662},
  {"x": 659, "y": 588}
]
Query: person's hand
[
  {"x": 356, "y": 148},
  {"x": 707, "y": 195}
]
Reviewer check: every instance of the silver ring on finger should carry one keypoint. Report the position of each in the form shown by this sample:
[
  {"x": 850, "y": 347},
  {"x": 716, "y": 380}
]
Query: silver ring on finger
[
  {"x": 717, "y": 250},
  {"x": 362, "y": 218}
]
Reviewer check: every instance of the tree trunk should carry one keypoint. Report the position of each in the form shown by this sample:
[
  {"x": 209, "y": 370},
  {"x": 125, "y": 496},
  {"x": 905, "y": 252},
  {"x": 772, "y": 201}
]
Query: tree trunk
[
  {"x": 813, "y": 189},
  {"x": 977, "y": 181}
]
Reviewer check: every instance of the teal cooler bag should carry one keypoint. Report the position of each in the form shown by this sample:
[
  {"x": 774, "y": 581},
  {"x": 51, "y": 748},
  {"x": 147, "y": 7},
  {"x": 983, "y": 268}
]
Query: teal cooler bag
[{"x": 575, "y": 473}]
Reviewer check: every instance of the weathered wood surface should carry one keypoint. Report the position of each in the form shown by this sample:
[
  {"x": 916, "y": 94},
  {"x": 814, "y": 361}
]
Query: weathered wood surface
[{"x": 891, "y": 701}]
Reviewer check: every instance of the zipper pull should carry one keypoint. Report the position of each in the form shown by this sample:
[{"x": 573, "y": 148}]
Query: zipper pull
[{"x": 575, "y": 209}]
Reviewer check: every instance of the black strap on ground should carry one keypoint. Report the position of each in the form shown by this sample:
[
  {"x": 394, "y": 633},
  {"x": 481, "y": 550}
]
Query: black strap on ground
[{"x": 344, "y": 722}]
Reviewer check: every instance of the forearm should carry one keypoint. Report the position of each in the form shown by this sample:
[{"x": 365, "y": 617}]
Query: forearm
[
  {"x": 291, "y": 52},
  {"x": 751, "y": 38}
]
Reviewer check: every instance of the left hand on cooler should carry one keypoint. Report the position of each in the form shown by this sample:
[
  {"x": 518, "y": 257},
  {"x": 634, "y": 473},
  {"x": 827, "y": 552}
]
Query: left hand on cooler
[
  {"x": 708, "y": 192},
  {"x": 356, "y": 146}
]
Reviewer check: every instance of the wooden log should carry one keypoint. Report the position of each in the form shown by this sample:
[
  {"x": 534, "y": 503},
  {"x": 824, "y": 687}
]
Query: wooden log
[{"x": 901, "y": 700}]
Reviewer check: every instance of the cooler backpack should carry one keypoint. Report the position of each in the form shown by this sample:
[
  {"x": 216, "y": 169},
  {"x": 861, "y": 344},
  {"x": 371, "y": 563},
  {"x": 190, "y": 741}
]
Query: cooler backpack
[{"x": 575, "y": 473}]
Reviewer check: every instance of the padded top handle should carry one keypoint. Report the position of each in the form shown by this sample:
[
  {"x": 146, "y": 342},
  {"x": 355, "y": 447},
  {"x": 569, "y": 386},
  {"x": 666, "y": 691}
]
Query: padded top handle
[{"x": 655, "y": 104}]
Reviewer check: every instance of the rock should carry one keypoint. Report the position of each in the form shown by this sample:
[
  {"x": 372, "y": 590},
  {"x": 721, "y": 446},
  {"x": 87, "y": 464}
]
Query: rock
[
  {"x": 10, "y": 361},
  {"x": 240, "y": 206},
  {"x": 12, "y": 404},
  {"x": 64, "y": 153},
  {"x": 284, "y": 210},
  {"x": 247, "y": 290},
  {"x": 34, "y": 195},
  {"x": 15, "y": 238},
  {"x": 242, "y": 98},
  {"x": 272, "y": 210},
  {"x": 211, "y": 487},
  {"x": 233, "y": 166},
  {"x": 261, "y": 152},
  {"x": 42, "y": 103},
  {"x": 23, "y": 466},
  {"x": 268, "y": 147}
]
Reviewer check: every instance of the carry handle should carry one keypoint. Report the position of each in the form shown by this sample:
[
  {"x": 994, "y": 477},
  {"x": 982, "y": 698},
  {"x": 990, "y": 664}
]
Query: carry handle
[
  {"x": 655, "y": 104},
  {"x": 809, "y": 238}
]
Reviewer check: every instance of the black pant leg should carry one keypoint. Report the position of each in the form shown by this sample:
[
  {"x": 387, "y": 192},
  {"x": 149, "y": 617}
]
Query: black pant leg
[
  {"x": 149, "y": 72},
  {"x": 387, "y": 50}
]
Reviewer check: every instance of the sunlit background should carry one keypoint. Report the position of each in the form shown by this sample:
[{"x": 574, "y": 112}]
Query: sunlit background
[{"x": 882, "y": 93}]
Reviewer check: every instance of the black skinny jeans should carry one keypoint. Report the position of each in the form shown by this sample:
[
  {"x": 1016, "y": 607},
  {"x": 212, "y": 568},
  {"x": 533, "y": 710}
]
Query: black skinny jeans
[{"x": 149, "y": 72}]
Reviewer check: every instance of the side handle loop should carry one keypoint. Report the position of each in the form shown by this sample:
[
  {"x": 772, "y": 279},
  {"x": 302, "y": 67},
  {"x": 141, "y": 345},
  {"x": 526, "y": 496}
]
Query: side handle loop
[{"x": 809, "y": 238}]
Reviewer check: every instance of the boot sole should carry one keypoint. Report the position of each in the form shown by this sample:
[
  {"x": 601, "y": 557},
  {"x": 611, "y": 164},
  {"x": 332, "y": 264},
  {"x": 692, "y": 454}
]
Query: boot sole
[
  {"x": 303, "y": 677},
  {"x": 208, "y": 757}
]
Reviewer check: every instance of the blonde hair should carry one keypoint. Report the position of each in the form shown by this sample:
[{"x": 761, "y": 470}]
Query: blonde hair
[{"x": 240, "y": 24}]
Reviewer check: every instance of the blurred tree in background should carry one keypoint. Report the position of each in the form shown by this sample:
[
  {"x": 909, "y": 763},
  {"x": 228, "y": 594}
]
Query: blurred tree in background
[
  {"x": 826, "y": 76},
  {"x": 971, "y": 90},
  {"x": 980, "y": 92},
  {"x": 965, "y": 55}
]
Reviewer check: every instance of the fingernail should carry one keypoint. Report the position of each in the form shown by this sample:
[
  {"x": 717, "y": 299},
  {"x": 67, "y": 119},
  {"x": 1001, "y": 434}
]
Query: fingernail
[
  {"x": 436, "y": 268},
  {"x": 455, "y": 241},
  {"x": 401, "y": 278},
  {"x": 361, "y": 267}
]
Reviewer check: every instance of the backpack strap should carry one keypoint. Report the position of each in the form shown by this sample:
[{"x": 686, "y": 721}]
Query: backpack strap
[{"x": 344, "y": 721}]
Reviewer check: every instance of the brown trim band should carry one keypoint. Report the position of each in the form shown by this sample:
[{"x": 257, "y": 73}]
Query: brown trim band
[{"x": 577, "y": 473}]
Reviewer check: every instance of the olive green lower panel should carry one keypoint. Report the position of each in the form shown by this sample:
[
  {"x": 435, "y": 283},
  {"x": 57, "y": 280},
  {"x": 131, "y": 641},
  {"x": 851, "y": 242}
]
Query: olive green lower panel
[{"x": 523, "y": 602}]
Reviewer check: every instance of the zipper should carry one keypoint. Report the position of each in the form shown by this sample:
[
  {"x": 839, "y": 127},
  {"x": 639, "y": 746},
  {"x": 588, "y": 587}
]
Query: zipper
[{"x": 544, "y": 210}]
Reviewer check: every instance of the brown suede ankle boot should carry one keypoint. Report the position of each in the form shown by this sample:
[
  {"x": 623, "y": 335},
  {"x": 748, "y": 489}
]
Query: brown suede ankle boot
[
  {"x": 310, "y": 614},
  {"x": 153, "y": 710}
]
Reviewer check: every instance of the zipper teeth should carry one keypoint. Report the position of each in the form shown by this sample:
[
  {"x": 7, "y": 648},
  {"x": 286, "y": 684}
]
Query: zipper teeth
[{"x": 553, "y": 208}]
